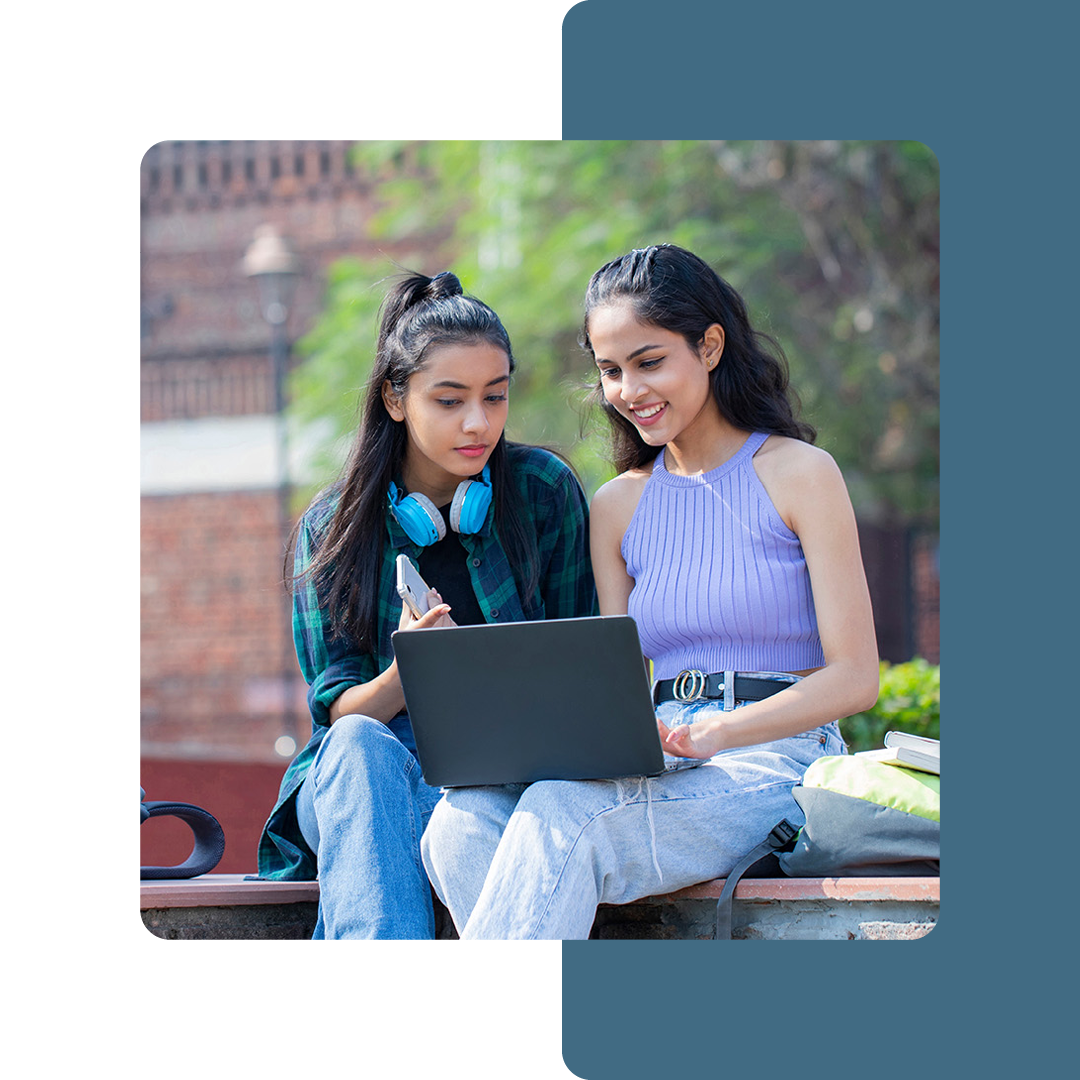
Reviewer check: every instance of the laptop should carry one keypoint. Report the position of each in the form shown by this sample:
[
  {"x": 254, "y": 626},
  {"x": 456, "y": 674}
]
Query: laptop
[{"x": 557, "y": 699}]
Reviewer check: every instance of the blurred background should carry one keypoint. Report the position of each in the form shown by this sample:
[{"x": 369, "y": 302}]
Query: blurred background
[{"x": 263, "y": 266}]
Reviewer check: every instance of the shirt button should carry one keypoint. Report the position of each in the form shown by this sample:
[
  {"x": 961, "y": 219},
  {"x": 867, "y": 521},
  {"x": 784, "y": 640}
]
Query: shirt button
[
  {"x": 476, "y": 562},
  {"x": 494, "y": 612}
]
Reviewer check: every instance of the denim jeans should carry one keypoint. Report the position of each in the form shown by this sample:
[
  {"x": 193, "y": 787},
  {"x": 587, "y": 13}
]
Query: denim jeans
[
  {"x": 534, "y": 861},
  {"x": 362, "y": 809}
]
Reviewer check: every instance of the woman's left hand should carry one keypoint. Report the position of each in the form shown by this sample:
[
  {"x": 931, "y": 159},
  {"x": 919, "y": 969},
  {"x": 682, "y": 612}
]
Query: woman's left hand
[
  {"x": 700, "y": 740},
  {"x": 429, "y": 619}
]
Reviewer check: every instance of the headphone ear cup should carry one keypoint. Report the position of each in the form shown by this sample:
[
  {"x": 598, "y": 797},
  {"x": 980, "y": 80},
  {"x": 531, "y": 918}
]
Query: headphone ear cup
[
  {"x": 420, "y": 518},
  {"x": 470, "y": 506},
  {"x": 456, "y": 505}
]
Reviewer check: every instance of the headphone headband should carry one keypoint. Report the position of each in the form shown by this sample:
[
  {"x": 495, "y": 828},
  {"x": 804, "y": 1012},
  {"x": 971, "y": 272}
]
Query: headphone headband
[{"x": 421, "y": 520}]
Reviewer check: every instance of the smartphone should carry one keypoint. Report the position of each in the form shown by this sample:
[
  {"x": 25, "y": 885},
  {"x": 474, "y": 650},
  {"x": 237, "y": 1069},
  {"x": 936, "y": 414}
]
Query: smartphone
[{"x": 411, "y": 587}]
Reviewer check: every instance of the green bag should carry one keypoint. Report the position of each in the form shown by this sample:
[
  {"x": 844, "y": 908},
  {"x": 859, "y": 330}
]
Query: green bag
[{"x": 864, "y": 818}]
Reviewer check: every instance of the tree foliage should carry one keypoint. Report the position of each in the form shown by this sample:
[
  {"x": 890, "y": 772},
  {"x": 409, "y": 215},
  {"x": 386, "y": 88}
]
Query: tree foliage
[
  {"x": 834, "y": 246},
  {"x": 909, "y": 700}
]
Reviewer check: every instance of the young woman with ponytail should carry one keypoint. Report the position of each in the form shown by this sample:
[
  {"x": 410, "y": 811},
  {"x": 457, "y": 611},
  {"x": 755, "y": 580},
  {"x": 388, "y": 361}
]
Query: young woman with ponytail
[
  {"x": 731, "y": 540},
  {"x": 499, "y": 528}
]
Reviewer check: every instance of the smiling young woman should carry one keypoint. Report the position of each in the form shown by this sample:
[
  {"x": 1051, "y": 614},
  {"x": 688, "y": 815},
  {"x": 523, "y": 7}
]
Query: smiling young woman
[
  {"x": 731, "y": 541},
  {"x": 659, "y": 383},
  {"x": 353, "y": 803}
]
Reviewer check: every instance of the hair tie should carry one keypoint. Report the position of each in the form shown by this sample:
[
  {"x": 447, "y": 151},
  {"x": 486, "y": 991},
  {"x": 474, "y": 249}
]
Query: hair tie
[{"x": 443, "y": 284}]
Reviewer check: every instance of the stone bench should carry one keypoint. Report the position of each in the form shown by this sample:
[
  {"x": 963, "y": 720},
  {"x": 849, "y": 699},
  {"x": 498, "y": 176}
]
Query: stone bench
[
  {"x": 821, "y": 909},
  {"x": 229, "y": 906},
  {"x": 843, "y": 909}
]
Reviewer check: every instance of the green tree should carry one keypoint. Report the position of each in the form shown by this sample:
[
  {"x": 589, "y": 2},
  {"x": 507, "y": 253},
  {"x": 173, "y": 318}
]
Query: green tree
[
  {"x": 833, "y": 245},
  {"x": 909, "y": 700}
]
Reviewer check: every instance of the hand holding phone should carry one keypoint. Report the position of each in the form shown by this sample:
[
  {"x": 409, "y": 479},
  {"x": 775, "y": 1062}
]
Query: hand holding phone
[{"x": 411, "y": 587}]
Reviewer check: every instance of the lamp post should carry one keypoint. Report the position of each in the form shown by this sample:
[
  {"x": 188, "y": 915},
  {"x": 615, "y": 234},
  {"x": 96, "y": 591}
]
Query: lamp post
[{"x": 275, "y": 268}]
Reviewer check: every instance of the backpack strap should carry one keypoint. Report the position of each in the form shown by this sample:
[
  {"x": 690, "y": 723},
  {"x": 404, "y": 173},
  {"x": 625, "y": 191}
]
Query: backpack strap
[{"x": 782, "y": 835}]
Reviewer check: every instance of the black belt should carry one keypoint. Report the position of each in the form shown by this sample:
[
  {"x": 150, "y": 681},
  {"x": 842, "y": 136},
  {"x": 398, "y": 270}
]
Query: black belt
[{"x": 697, "y": 686}]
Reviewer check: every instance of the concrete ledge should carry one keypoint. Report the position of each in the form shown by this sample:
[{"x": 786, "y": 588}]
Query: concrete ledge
[
  {"x": 915, "y": 889},
  {"x": 784, "y": 909},
  {"x": 216, "y": 906},
  {"x": 225, "y": 906},
  {"x": 229, "y": 890},
  {"x": 840, "y": 909},
  {"x": 769, "y": 918}
]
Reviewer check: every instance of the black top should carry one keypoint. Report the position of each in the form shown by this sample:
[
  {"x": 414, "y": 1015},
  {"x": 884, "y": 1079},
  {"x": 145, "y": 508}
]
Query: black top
[{"x": 443, "y": 567}]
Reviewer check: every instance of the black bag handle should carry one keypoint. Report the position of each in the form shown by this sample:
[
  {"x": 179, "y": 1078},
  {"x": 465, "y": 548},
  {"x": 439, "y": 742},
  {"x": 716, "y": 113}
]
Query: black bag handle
[
  {"x": 781, "y": 836},
  {"x": 209, "y": 840}
]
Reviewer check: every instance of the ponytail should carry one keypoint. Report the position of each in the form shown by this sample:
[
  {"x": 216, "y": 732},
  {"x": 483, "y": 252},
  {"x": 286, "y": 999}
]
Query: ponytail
[{"x": 410, "y": 291}]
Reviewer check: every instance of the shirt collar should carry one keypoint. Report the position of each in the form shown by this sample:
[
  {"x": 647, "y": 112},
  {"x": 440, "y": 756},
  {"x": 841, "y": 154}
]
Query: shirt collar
[{"x": 397, "y": 537}]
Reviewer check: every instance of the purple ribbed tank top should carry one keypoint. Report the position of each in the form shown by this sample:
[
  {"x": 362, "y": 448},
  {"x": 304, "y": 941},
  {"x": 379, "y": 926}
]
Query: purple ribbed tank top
[{"x": 720, "y": 582}]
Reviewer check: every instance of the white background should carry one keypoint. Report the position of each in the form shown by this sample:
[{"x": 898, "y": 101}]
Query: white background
[{"x": 88, "y": 90}]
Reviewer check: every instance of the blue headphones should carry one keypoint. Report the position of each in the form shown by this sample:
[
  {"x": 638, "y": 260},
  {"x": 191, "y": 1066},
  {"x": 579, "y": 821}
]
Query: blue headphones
[{"x": 420, "y": 517}]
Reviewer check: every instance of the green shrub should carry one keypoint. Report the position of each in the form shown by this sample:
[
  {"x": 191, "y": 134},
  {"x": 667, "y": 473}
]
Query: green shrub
[{"x": 909, "y": 700}]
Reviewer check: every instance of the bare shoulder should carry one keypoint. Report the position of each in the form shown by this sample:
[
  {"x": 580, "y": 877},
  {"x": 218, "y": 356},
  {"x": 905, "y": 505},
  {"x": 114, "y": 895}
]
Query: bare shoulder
[
  {"x": 624, "y": 490},
  {"x": 796, "y": 473},
  {"x": 615, "y": 502},
  {"x": 782, "y": 459},
  {"x": 610, "y": 514}
]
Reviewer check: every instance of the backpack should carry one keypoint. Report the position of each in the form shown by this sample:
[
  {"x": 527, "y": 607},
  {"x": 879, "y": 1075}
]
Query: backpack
[
  {"x": 864, "y": 818},
  {"x": 209, "y": 839}
]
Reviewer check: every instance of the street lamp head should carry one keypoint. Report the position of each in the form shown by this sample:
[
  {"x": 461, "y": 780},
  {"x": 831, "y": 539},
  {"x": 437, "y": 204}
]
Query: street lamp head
[{"x": 271, "y": 262}]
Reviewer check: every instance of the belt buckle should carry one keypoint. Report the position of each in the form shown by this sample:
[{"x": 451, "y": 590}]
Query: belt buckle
[{"x": 689, "y": 685}]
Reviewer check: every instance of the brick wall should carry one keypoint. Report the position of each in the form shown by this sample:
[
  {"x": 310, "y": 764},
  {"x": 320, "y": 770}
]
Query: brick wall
[
  {"x": 210, "y": 175},
  {"x": 194, "y": 388},
  {"x": 201, "y": 205},
  {"x": 218, "y": 671},
  {"x": 219, "y": 676},
  {"x": 239, "y": 794}
]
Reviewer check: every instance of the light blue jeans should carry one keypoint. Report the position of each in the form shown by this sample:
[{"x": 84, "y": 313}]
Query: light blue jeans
[
  {"x": 362, "y": 809},
  {"x": 516, "y": 861}
]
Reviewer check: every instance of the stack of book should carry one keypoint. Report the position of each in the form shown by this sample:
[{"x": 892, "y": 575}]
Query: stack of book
[{"x": 908, "y": 751}]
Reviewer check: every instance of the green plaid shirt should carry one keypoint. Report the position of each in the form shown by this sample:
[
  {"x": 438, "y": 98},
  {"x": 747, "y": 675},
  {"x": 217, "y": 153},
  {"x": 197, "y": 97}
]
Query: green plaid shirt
[{"x": 556, "y": 507}]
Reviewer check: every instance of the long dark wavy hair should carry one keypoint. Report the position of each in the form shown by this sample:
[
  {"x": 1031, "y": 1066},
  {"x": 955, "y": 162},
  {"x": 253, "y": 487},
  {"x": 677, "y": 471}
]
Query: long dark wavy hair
[
  {"x": 418, "y": 314},
  {"x": 672, "y": 288}
]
